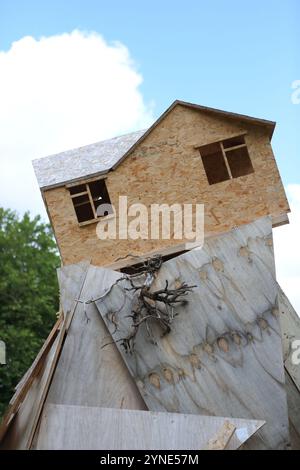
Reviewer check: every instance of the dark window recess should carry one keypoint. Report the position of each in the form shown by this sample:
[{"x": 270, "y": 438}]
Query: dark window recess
[
  {"x": 240, "y": 140},
  {"x": 84, "y": 212},
  {"x": 94, "y": 194},
  {"x": 80, "y": 200},
  {"x": 225, "y": 160},
  {"x": 81, "y": 188},
  {"x": 239, "y": 162},
  {"x": 140, "y": 267},
  {"x": 214, "y": 164},
  {"x": 100, "y": 194}
]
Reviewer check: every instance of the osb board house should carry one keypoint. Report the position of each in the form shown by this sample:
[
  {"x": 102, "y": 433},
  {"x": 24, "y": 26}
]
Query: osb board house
[{"x": 191, "y": 154}]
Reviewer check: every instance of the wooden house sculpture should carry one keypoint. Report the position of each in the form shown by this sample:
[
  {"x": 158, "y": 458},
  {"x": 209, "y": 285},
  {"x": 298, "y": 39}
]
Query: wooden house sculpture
[{"x": 159, "y": 344}]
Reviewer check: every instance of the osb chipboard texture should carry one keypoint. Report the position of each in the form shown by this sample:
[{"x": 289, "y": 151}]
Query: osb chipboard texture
[
  {"x": 87, "y": 160},
  {"x": 223, "y": 355},
  {"x": 166, "y": 168}
]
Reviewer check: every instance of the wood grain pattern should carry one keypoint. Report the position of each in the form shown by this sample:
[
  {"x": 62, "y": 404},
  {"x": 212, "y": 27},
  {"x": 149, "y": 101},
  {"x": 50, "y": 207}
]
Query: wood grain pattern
[
  {"x": 293, "y": 399},
  {"x": 28, "y": 384},
  {"x": 87, "y": 374},
  {"x": 223, "y": 356},
  {"x": 290, "y": 327},
  {"x": 22, "y": 427},
  {"x": 223, "y": 436},
  {"x": 70, "y": 280},
  {"x": 78, "y": 427},
  {"x": 27, "y": 403}
]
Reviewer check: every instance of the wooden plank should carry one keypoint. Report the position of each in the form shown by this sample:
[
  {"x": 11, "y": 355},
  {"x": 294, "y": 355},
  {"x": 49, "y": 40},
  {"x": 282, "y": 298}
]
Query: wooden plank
[
  {"x": 40, "y": 356},
  {"x": 222, "y": 438},
  {"x": 82, "y": 427},
  {"x": 225, "y": 160},
  {"x": 290, "y": 328},
  {"x": 278, "y": 220},
  {"x": 70, "y": 279},
  {"x": 87, "y": 374},
  {"x": 44, "y": 387},
  {"x": 27, "y": 380},
  {"x": 21, "y": 427},
  {"x": 223, "y": 356},
  {"x": 293, "y": 399},
  {"x": 34, "y": 394},
  {"x": 84, "y": 180}
]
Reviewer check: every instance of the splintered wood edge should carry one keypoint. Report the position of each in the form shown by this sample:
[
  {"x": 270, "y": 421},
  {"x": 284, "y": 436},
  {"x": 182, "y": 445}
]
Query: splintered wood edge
[{"x": 222, "y": 438}]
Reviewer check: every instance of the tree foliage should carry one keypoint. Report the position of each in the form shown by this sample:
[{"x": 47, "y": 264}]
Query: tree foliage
[{"x": 28, "y": 293}]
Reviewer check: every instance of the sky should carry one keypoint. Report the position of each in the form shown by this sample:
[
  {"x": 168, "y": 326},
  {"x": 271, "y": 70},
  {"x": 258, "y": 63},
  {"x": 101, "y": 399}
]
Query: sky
[{"x": 73, "y": 72}]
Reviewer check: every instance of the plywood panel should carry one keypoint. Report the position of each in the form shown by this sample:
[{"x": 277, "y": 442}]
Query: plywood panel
[
  {"x": 22, "y": 427},
  {"x": 70, "y": 279},
  {"x": 79, "y": 428},
  {"x": 167, "y": 168},
  {"x": 293, "y": 399},
  {"x": 290, "y": 327},
  {"x": 223, "y": 355},
  {"x": 28, "y": 383},
  {"x": 27, "y": 403},
  {"x": 87, "y": 374}
]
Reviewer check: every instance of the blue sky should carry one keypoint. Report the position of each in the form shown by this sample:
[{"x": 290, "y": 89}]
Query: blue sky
[{"x": 233, "y": 55}]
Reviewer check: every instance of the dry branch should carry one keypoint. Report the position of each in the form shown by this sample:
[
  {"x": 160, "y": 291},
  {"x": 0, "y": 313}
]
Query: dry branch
[{"x": 152, "y": 306}]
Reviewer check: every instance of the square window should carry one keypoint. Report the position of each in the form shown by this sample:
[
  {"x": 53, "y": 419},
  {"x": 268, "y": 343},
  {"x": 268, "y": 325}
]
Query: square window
[
  {"x": 226, "y": 160},
  {"x": 214, "y": 163},
  {"x": 239, "y": 162},
  {"x": 90, "y": 196}
]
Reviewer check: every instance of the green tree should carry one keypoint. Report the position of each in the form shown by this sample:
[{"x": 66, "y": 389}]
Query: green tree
[{"x": 28, "y": 293}]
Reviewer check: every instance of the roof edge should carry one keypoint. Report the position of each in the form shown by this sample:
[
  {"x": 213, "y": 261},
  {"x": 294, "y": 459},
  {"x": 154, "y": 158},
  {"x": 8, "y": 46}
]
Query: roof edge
[{"x": 262, "y": 122}]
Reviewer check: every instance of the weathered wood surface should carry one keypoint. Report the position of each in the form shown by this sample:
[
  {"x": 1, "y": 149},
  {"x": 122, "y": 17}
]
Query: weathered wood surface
[
  {"x": 290, "y": 328},
  {"x": 293, "y": 400},
  {"x": 38, "y": 359},
  {"x": 27, "y": 392},
  {"x": 224, "y": 354},
  {"x": 22, "y": 427},
  {"x": 70, "y": 280},
  {"x": 222, "y": 438},
  {"x": 82, "y": 427},
  {"x": 87, "y": 374},
  {"x": 27, "y": 403}
]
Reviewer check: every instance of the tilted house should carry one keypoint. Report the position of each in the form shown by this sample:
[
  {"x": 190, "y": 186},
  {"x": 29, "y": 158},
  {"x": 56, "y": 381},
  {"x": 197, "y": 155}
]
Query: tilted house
[
  {"x": 191, "y": 154},
  {"x": 202, "y": 338}
]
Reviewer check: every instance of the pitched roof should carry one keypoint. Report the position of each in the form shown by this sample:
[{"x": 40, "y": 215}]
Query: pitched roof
[
  {"x": 83, "y": 161},
  {"x": 101, "y": 157}
]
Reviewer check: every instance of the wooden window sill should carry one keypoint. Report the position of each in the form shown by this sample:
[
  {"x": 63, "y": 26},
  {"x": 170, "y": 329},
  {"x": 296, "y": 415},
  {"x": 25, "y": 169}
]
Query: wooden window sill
[{"x": 98, "y": 219}]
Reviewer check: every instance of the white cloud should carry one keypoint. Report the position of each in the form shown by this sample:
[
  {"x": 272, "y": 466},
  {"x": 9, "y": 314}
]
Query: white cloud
[
  {"x": 58, "y": 93},
  {"x": 287, "y": 253}
]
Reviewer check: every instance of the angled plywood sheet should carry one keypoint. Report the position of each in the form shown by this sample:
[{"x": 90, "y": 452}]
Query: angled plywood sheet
[
  {"x": 26, "y": 405},
  {"x": 293, "y": 400},
  {"x": 290, "y": 327},
  {"x": 22, "y": 427},
  {"x": 23, "y": 402},
  {"x": 70, "y": 280},
  {"x": 88, "y": 428},
  {"x": 87, "y": 374},
  {"x": 223, "y": 355}
]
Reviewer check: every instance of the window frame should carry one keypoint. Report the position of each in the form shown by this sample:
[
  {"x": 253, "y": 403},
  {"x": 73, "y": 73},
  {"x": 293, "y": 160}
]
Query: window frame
[
  {"x": 224, "y": 152},
  {"x": 90, "y": 197}
]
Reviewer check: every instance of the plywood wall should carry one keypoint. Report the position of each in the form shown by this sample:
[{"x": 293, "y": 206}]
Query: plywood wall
[{"x": 166, "y": 168}]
